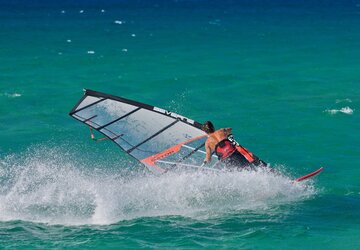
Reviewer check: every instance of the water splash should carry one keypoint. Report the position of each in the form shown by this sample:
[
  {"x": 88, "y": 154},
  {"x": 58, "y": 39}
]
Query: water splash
[{"x": 50, "y": 186}]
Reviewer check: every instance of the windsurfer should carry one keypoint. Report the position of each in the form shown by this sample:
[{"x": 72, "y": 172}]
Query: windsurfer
[{"x": 227, "y": 150}]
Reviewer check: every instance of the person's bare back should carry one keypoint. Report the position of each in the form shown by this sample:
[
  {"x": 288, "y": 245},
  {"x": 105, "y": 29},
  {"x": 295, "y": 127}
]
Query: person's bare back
[
  {"x": 231, "y": 153},
  {"x": 214, "y": 139}
]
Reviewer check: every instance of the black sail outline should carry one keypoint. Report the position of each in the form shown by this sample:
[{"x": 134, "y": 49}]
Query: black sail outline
[{"x": 88, "y": 92}]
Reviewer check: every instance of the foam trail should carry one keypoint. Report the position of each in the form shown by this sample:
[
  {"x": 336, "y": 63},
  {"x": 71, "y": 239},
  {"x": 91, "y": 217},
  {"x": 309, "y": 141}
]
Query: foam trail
[{"x": 48, "y": 186}]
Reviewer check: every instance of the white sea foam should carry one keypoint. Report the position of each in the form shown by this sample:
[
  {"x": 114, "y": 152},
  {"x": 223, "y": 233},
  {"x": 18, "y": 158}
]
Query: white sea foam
[
  {"x": 49, "y": 186},
  {"x": 91, "y": 52},
  {"x": 345, "y": 110},
  {"x": 119, "y": 22},
  {"x": 343, "y": 100},
  {"x": 11, "y": 95}
]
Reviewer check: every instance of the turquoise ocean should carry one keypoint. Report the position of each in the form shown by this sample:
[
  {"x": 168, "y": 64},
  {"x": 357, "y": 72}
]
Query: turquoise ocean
[{"x": 285, "y": 75}]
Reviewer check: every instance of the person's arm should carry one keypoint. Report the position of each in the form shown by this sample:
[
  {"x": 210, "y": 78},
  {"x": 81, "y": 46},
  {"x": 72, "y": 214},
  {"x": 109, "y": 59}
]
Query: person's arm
[{"x": 208, "y": 153}]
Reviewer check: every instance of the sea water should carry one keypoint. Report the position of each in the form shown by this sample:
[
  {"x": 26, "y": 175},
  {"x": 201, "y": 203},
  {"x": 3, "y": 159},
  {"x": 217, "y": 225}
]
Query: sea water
[{"x": 283, "y": 74}]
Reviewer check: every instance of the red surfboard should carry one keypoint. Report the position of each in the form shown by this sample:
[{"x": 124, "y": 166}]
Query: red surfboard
[{"x": 309, "y": 175}]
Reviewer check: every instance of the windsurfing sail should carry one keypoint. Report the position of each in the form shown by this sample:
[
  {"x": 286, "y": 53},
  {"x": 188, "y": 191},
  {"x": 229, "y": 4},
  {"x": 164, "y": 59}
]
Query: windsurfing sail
[{"x": 159, "y": 139}]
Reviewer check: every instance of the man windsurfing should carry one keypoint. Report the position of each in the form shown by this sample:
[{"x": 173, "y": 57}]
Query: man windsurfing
[{"x": 228, "y": 151}]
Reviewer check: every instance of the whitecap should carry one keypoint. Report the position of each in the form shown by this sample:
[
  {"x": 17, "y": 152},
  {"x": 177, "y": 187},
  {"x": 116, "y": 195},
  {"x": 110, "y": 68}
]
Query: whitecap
[
  {"x": 11, "y": 95},
  {"x": 343, "y": 100},
  {"x": 345, "y": 110},
  {"x": 15, "y": 95},
  {"x": 91, "y": 52},
  {"x": 118, "y": 22}
]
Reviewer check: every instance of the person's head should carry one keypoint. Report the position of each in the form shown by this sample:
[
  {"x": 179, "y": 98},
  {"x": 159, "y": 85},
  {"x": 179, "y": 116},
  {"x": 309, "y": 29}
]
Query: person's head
[{"x": 208, "y": 127}]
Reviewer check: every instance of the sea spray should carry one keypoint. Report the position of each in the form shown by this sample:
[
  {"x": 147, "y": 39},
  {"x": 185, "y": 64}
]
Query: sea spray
[{"x": 49, "y": 185}]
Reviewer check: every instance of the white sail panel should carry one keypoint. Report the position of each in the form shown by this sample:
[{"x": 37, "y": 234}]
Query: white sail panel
[{"x": 88, "y": 101}]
